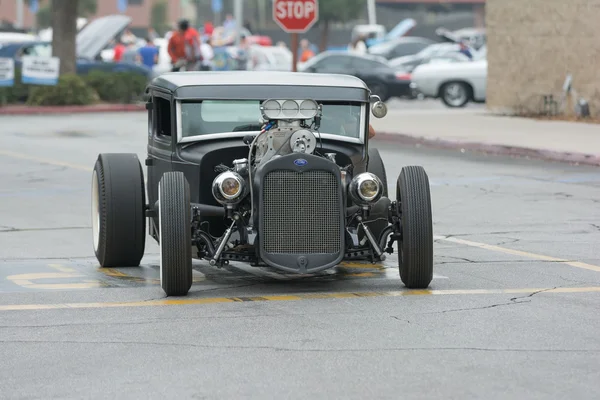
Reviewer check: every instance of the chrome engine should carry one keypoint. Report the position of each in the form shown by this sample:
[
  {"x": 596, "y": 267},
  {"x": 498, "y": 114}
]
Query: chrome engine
[{"x": 286, "y": 138}]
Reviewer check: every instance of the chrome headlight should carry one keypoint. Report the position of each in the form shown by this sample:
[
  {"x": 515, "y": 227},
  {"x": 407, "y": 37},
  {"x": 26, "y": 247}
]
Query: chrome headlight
[
  {"x": 365, "y": 189},
  {"x": 229, "y": 188}
]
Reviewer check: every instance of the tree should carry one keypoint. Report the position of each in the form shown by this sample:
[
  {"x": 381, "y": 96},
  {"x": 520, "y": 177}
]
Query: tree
[
  {"x": 337, "y": 11},
  {"x": 158, "y": 17},
  {"x": 86, "y": 8},
  {"x": 64, "y": 31}
]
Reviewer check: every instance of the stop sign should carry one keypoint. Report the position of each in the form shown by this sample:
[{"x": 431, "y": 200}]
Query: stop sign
[{"x": 296, "y": 16}]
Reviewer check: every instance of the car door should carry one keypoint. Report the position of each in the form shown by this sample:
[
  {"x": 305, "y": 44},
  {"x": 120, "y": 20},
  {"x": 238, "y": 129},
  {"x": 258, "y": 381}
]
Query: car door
[
  {"x": 161, "y": 140},
  {"x": 370, "y": 70}
]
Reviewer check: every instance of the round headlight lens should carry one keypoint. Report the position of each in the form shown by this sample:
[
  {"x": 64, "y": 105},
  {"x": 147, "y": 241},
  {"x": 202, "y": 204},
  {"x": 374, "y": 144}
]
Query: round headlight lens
[
  {"x": 368, "y": 189},
  {"x": 230, "y": 187}
]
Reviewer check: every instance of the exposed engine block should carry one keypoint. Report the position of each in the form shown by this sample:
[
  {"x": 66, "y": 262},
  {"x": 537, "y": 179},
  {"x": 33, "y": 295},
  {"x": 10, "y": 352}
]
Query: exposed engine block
[{"x": 285, "y": 139}]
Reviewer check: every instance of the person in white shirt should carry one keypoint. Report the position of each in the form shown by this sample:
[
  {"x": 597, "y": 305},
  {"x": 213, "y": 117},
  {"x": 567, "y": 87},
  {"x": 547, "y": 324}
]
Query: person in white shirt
[
  {"x": 207, "y": 54},
  {"x": 358, "y": 45}
]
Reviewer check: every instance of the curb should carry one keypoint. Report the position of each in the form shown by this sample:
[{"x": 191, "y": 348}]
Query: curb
[
  {"x": 100, "y": 108},
  {"x": 494, "y": 149}
]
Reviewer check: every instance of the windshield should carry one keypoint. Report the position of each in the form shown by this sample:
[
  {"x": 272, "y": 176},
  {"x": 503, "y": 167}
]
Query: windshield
[{"x": 225, "y": 116}]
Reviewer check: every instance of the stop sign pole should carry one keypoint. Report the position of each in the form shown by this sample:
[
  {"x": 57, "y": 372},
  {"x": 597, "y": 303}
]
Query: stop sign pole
[{"x": 294, "y": 17}]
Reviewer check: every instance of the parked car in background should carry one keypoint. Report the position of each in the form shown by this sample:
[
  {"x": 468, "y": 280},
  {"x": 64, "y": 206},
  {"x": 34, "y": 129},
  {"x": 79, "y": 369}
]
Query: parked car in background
[
  {"x": 16, "y": 37},
  {"x": 270, "y": 58},
  {"x": 400, "y": 30},
  {"x": 383, "y": 80},
  {"x": 373, "y": 31},
  {"x": 410, "y": 63},
  {"x": 437, "y": 50},
  {"x": 474, "y": 37},
  {"x": 90, "y": 42},
  {"x": 405, "y": 46},
  {"x": 455, "y": 83}
]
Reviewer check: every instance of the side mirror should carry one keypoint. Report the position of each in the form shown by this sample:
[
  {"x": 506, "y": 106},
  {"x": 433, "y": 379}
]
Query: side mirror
[{"x": 379, "y": 109}]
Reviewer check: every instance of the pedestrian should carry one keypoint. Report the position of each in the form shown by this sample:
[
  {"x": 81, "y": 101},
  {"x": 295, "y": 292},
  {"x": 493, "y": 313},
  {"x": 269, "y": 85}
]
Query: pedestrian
[
  {"x": 148, "y": 55},
  {"x": 209, "y": 28},
  {"x": 358, "y": 45},
  {"x": 242, "y": 54},
  {"x": 130, "y": 55},
  {"x": 183, "y": 47},
  {"x": 207, "y": 54},
  {"x": 305, "y": 52},
  {"x": 128, "y": 37},
  {"x": 119, "y": 49},
  {"x": 464, "y": 49},
  {"x": 152, "y": 34},
  {"x": 230, "y": 23}
]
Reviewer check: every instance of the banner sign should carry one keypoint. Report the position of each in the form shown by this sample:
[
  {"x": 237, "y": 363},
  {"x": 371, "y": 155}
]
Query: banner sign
[
  {"x": 40, "y": 70},
  {"x": 7, "y": 72}
]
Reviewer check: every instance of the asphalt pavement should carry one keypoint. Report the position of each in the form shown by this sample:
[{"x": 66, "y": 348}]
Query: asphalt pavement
[{"x": 512, "y": 311}]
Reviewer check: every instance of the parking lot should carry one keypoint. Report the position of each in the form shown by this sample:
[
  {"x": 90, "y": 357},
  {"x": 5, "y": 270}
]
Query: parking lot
[{"x": 512, "y": 311}]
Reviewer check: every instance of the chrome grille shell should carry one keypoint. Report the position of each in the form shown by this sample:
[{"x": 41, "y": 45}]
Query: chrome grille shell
[{"x": 301, "y": 213}]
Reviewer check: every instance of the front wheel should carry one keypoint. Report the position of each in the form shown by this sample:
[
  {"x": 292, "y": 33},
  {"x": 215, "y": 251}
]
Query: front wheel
[
  {"x": 455, "y": 94},
  {"x": 174, "y": 222},
  {"x": 415, "y": 248}
]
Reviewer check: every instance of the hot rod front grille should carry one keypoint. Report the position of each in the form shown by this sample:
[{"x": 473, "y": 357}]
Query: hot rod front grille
[{"x": 301, "y": 213}]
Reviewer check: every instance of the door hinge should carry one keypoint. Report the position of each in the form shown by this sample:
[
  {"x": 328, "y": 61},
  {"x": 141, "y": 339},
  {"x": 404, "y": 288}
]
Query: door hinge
[{"x": 149, "y": 162}]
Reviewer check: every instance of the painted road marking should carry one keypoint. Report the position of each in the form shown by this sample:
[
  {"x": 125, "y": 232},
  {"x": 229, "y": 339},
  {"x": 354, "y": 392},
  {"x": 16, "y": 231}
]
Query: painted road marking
[
  {"x": 27, "y": 280},
  {"x": 505, "y": 250},
  {"x": 292, "y": 297},
  {"x": 40, "y": 160}
]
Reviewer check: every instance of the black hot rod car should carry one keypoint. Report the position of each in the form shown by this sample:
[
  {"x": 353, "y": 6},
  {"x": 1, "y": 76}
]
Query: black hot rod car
[{"x": 268, "y": 168}]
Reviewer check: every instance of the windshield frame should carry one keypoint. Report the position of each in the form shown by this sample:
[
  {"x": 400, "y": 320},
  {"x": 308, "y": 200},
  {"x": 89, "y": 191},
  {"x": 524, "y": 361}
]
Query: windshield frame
[{"x": 228, "y": 135}]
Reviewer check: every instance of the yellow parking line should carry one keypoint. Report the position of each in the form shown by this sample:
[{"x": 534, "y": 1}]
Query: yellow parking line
[
  {"x": 292, "y": 297},
  {"x": 41, "y": 160},
  {"x": 61, "y": 268},
  {"x": 535, "y": 256}
]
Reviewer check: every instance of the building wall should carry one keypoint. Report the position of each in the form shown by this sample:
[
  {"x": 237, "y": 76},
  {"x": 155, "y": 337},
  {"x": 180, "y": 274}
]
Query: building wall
[
  {"x": 534, "y": 44},
  {"x": 138, "y": 10},
  {"x": 8, "y": 13}
]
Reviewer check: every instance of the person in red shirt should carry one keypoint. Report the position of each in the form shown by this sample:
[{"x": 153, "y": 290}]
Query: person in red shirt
[
  {"x": 184, "y": 47},
  {"x": 119, "y": 50},
  {"x": 208, "y": 28}
]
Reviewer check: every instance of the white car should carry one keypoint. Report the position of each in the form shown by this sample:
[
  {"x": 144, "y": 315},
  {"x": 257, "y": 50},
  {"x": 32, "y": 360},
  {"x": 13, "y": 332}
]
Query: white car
[
  {"x": 270, "y": 58},
  {"x": 455, "y": 83}
]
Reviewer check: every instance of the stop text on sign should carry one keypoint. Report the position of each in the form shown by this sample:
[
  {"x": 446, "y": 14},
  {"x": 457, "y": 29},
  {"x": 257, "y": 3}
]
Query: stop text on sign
[
  {"x": 295, "y": 16},
  {"x": 294, "y": 9}
]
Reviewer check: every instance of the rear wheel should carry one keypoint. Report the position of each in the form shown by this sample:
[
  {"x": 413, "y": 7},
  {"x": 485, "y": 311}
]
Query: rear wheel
[
  {"x": 174, "y": 221},
  {"x": 415, "y": 248},
  {"x": 118, "y": 210}
]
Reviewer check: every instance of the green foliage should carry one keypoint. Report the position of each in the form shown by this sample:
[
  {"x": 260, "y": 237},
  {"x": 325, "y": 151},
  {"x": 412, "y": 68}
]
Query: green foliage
[
  {"x": 70, "y": 90},
  {"x": 44, "y": 17},
  {"x": 87, "y": 8},
  {"x": 158, "y": 17},
  {"x": 108, "y": 87},
  {"x": 120, "y": 87},
  {"x": 17, "y": 93},
  {"x": 341, "y": 10}
]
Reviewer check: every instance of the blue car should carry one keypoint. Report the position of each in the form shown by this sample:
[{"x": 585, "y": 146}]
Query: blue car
[{"x": 91, "y": 40}]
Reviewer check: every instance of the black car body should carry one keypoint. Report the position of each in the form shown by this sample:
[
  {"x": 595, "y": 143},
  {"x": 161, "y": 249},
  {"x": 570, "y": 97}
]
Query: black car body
[
  {"x": 383, "y": 80},
  {"x": 267, "y": 168}
]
